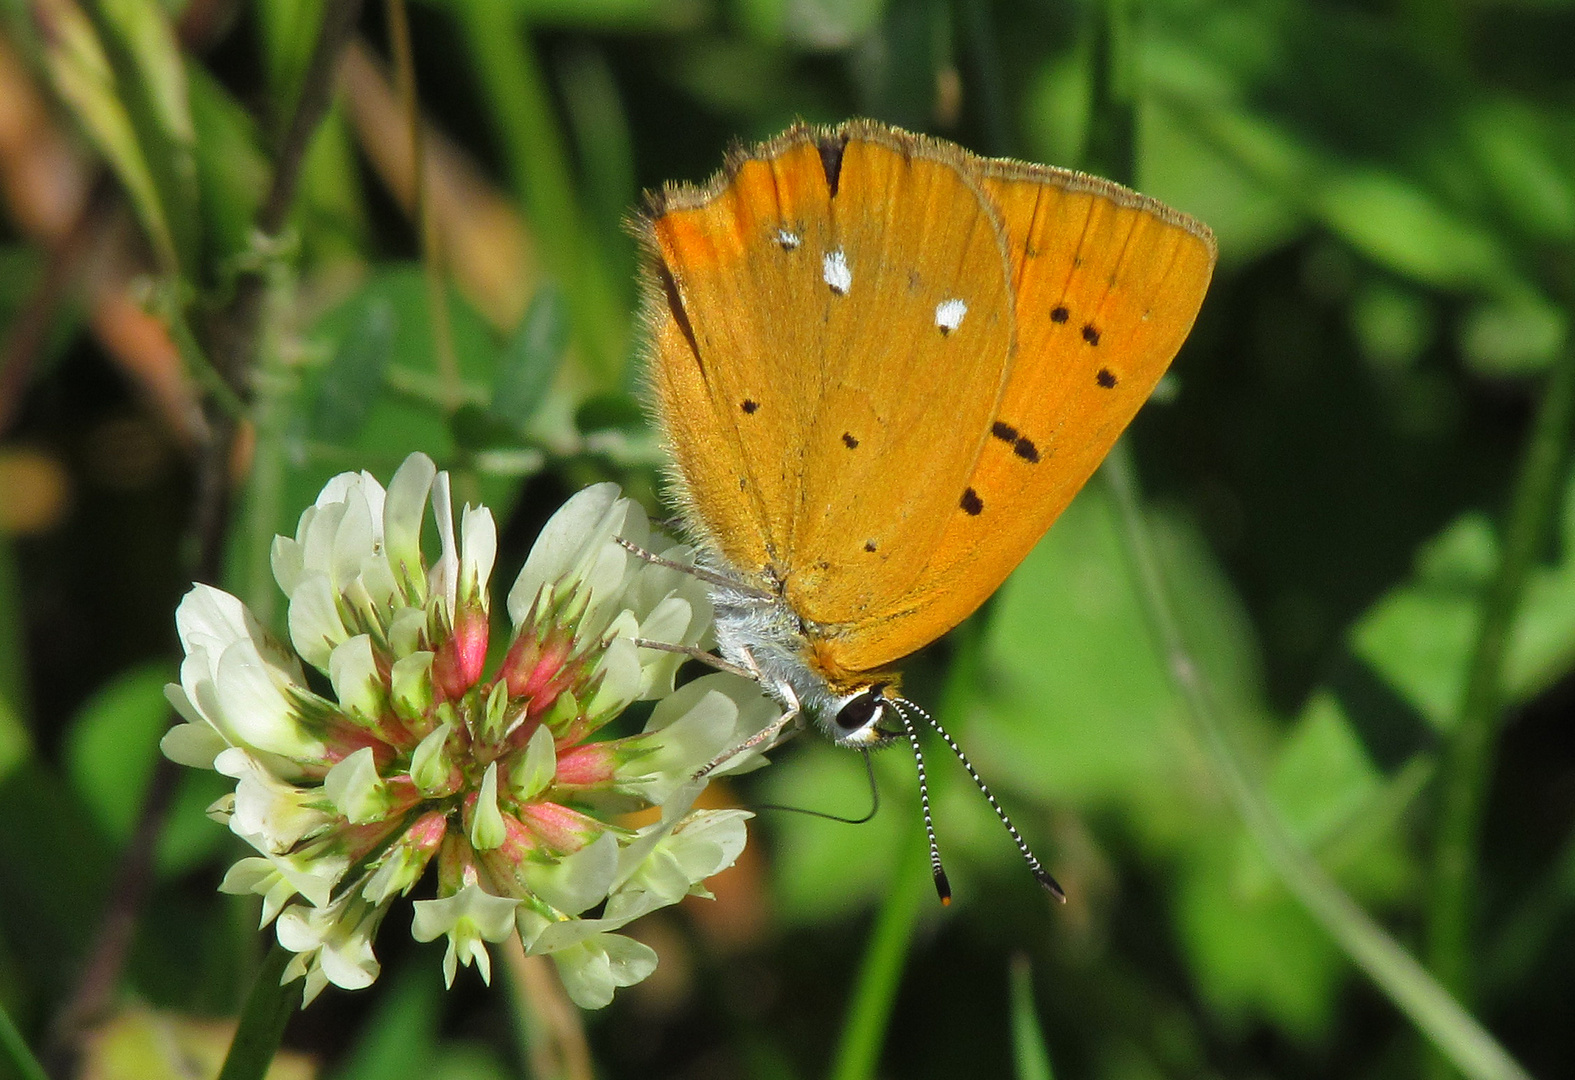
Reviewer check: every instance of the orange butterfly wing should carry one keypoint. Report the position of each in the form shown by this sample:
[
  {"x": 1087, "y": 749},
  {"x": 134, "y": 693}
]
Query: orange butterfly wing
[
  {"x": 823, "y": 422},
  {"x": 1107, "y": 285}
]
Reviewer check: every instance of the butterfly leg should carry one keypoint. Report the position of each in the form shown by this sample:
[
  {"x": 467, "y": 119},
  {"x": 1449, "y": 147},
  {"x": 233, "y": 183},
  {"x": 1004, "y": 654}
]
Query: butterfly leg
[
  {"x": 694, "y": 571},
  {"x": 766, "y": 736},
  {"x": 695, "y": 653}
]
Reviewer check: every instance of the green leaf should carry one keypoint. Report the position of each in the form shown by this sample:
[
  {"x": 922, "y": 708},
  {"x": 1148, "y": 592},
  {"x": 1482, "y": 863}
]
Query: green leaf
[
  {"x": 1518, "y": 149},
  {"x": 16, "y": 745},
  {"x": 1253, "y": 952},
  {"x": 525, "y": 123},
  {"x": 15, "y": 741},
  {"x": 531, "y": 359},
  {"x": 354, "y": 377},
  {"x": 54, "y": 868},
  {"x": 822, "y": 870},
  {"x": 84, "y": 78},
  {"x": 232, "y": 172},
  {"x": 1080, "y": 707},
  {"x": 400, "y": 1040},
  {"x": 1399, "y": 225},
  {"x": 1340, "y": 806},
  {"x": 1513, "y": 335},
  {"x": 604, "y": 146},
  {"x": 476, "y": 429},
  {"x": 289, "y": 34},
  {"x": 1029, "y": 1052},
  {"x": 1419, "y": 636},
  {"x": 614, "y": 411},
  {"x": 151, "y": 74},
  {"x": 109, "y": 754}
]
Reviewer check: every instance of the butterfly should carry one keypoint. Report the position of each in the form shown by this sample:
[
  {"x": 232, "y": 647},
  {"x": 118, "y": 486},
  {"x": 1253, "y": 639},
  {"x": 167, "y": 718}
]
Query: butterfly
[{"x": 882, "y": 366}]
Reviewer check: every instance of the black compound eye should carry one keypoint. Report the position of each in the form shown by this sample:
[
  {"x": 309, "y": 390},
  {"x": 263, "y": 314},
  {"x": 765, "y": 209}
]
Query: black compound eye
[{"x": 858, "y": 712}]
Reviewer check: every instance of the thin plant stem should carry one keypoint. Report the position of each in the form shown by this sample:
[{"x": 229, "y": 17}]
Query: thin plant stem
[
  {"x": 549, "y": 1025},
  {"x": 1439, "y": 1016},
  {"x": 1468, "y": 760},
  {"x": 21, "y": 1058},
  {"x": 268, "y": 1009}
]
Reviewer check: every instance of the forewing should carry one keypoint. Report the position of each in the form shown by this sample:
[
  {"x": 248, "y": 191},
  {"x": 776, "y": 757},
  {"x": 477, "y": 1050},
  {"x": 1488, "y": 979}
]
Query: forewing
[
  {"x": 833, "y": 328},
  {"x": 1107, "y": 284}
]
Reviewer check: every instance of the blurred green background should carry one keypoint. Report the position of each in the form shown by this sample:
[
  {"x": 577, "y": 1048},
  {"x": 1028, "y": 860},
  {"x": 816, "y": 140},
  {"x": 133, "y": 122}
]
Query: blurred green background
[{"x": 1329, "y": 469}]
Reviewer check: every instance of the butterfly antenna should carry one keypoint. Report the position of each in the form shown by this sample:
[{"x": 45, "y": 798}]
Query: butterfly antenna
[
  {"x": 1034, "y": 865},
  {"x": 942, "y": 886},
  {"x": 869, "y": 771}
]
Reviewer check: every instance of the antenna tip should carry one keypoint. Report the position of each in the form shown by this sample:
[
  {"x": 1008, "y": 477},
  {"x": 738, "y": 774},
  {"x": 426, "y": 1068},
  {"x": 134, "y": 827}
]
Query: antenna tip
[
  {"x": 1052, "y": 886},
  {"x": 943, "y": 888}
]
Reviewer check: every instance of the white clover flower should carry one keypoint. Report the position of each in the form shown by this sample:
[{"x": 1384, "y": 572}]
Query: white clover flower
[{"x": 416, "y": 756}]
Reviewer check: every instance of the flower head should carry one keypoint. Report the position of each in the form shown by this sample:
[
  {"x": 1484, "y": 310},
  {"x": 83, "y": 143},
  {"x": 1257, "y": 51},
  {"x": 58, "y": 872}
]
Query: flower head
[{"x": 419, "y": 758}]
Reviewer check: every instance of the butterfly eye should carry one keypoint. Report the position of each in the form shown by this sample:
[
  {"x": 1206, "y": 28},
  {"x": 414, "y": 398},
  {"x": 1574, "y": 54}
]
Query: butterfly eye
[{"x": 859, "y": 711}]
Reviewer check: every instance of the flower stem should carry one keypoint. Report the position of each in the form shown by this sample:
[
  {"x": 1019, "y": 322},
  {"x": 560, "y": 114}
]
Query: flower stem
[
  {"x": 22, "y": 1060},
  {"x": 268, "y": 1008},
  {"x": 549, "y": 1025},
  {"x": 1468, "y": 761}
]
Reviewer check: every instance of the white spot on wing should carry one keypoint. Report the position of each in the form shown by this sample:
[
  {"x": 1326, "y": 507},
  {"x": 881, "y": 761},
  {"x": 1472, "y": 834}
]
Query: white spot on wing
[
  {"x": 949, "y": 314},
  {"x": 788, "y": 239},
  {"x": 834, "y": 268}
]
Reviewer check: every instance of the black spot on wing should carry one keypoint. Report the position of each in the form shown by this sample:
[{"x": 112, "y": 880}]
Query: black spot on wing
[
  {"x": 1024, "y": 448},
  {"x": 1059, "y": 314},
  {"x": 831, "y": 159},
  {"x": 749, "y": 405},
  {"x": 1090, "y": 334},
  {"x": 849, "y": 441},
  {"x": 1106, "y": 378},
  {"x": 869, "y": 545},
  {"x": 972, "y": 505},
  {"x": 1004, "y": 432}
]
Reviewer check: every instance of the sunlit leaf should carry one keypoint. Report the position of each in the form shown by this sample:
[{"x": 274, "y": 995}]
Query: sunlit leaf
[
  {"x": 1513, "y": 335},
  {"x": 1399, "y": 225}
]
